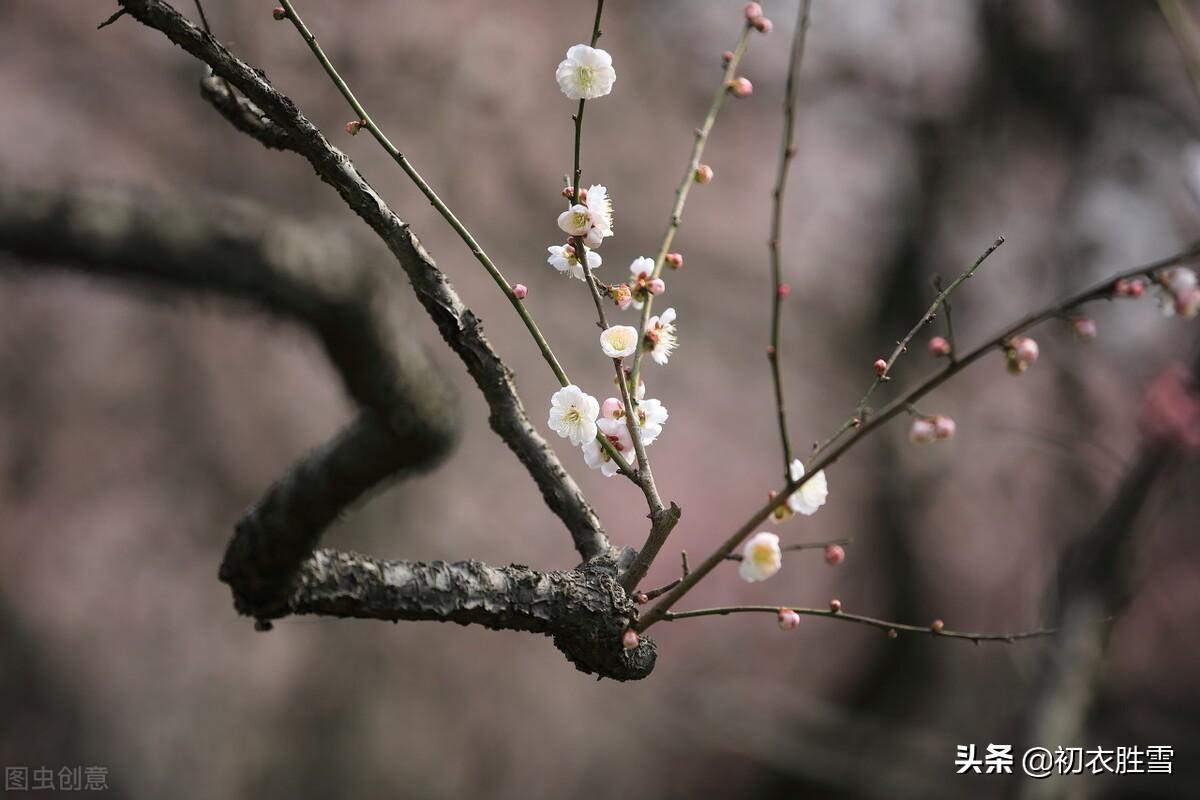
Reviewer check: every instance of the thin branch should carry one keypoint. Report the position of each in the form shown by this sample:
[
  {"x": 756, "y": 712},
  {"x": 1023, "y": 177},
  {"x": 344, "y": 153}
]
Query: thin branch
[
  {"x": 786, "y": 155},
  {"x": 797, "y": 547},
  {"x": 948, "y": 319},
  {"x": 120, "y": 12},
  {"x": 882, "y": 624},
  {"x": 685, "y": 185},
  {"x": 457, "y": 324},
  {"x": 1102, "y": 290},
  {"x": 1186, "y": 37},
  {"x": 861, "y": 411}
]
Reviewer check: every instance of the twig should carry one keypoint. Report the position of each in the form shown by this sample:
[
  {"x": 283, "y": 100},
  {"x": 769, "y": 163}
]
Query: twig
[
  {"x": 786, "y": 155},
  {"x": 797, "y": 547},
  {"x": 948, "y": 318},
  {"x": 861, "y": 411},
  {"x": 120, "y": 12},
  {"x": 1098, "y": 291},
  {"x": 882, "y": 624},
  {"x": 685, "y": 185}
]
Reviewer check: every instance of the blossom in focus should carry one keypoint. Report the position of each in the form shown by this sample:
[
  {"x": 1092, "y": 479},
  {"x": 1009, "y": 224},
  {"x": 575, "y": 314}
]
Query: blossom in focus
[
  {"x": 564, "y": 259},
  {"x": 761, "y": 557},
  {"x": 661, "y": 338},
  {"x": 619, "y": 341},
  {"x": 621, "y": 295},
  {"x": 573, "y": 414},
  {"x": 651, "y": 414},
  {"x": 641, "y": 273},
  {"x": 586, "y": 73},
  {"x": 600, "y": 216},
  {"x": 617, "y": 434},
  {"x": 812, "y": 495}
]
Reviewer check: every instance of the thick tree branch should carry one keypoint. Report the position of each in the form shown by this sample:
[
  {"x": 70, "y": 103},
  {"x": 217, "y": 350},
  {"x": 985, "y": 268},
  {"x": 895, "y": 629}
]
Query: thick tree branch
[
  {"x": 585, "y": 609},
  {"x": 458, "y": 325}
]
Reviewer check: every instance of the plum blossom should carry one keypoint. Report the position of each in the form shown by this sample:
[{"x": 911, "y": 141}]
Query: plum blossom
[
  {"x": 619, "y": 341},
  {"x": 761, "y": 557},
  {"x": 660, "y": 337},
  {"x": 564, "y": 259},
  {"x": 573, "y": 414},
  {"x": 591, "y": 219},
  {"x": 651, "y": 414},
  {"x": 812, "y": 495},
  {"x": 617, "y": 434},
  {"x": 642, "y": 282},
  {"x": 586, "y": 73}
]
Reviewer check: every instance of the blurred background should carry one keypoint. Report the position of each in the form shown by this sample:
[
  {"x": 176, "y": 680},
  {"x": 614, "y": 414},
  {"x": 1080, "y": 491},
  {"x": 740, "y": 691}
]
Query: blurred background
[{"x": 135, "y": 428}]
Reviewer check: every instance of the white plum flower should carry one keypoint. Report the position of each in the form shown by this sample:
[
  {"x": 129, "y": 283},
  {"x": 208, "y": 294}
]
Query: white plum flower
[
  {"x": 600, "y": 215},
  {"x": 573, "y": 414},
  {"x": 575, "y": 221},
  {"x": 617, "y": 434},
  {"x": 812, "y": 495},
  {"x": 619, "y": 341},
  {"x": 761, "y": 557},
  {"x": 564, "y": 259},
  {"x": 641, "y": 272},
  {"x": 651, "y": 414},
  {"x": 586, "y": 73},
  {"x": 660, "y": 337}
]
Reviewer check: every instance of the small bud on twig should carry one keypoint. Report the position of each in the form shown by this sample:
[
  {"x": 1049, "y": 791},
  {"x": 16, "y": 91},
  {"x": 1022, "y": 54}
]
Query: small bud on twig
[
  {"x": 783, "y": 290},
  {"x": 354, "y": 126},
  {"x": 740, "y": 87},
  {"x": 726, "y": 57},
  {"x": 835, "y": 605},
  {"x": 520, "y": 291},
  {"x": 279, "y": 13},
  {"x": 937, "y": 626},
  {"x": 762, "y": 25},
  {"x": 629, "y": 639},
  {"x": 788, "y": 620},
  {"x": 752, "y": 11},
  {"x": 675, "y": 260},
  {"x": 834, "y": 554},
  {"x": 703, "y": 174},
  {"x": 1084, "y": 328},
  {"x": 880, "y": 367}
]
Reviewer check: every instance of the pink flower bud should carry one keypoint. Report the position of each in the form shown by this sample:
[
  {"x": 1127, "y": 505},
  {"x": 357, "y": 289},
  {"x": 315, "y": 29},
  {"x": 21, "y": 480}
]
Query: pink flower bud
[
  {"x": 568, "y": 192},
  {"x": 753, "y": 11},
  {"x": 612, "y": 408},
  {"x": 629, "y": 639},
  {"x": 788, "y": 620},
  {"x": 943, "y": 427},
  {"x": 726, "y": 57},
  {"x": 656, "y": 286},
  {"x": 279, "y": 12},
  {"x": 1137, "y": 287},
  {"x": 675, "y": 260},
  {"x": 937, "y": 626},
  {"x": 939, "y": 346},
  {"x": 783, "y": 290},
  {"x": 880, "y": 367},
  {"x": 892, "y": 634},
  {"x": 835, "y": 605},
  {"x": 354, "y": 126},
  {"x": 622, "y": 295},
  {"x": 770, "y": 350},
  {"x": 1083, "y": 328},
  {"x": 923, "y": 431},
  {"x": 834, "y": 555},
  {"x": 740, "y": 87},
  {"x": 762, "y": 25},
  {"x": 1026, "y": 349},
  {"x": 641, "y": 598},
  {"x": 703, "y": 174},
  {"x": 520, "y": 291}
]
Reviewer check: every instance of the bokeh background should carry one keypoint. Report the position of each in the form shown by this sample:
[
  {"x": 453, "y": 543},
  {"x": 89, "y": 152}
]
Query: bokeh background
[{"x": 134, "y": 428}]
